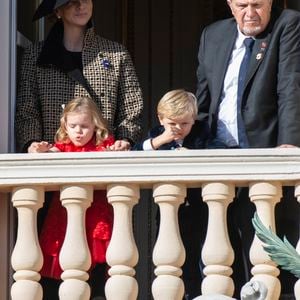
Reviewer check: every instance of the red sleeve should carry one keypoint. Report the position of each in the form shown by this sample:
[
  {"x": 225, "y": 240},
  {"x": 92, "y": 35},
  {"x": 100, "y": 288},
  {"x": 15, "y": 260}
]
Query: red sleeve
[
  {"x": 109, "y": 141},
  {"x": 60, "y": 146}
]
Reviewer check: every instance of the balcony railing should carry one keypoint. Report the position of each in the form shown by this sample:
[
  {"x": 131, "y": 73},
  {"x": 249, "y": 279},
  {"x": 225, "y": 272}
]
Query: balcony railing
[{"x": 26, "y": 177}]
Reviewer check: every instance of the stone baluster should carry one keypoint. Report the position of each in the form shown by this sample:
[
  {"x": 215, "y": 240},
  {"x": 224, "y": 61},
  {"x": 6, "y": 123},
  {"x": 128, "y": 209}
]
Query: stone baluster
[
  {"x": 74, "y": 256},
  {"x": 265, "y": 195},
  {"x": 27, "y": 259},
  {"x": 122, "y": 253},
  {"x": 168, "y": 253},
  {"x": 297, "y": 285},
  {"x": 217, "y": 252}
]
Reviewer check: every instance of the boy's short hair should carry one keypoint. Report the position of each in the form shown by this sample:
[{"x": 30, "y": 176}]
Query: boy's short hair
[{"x": 177, "y": 103}]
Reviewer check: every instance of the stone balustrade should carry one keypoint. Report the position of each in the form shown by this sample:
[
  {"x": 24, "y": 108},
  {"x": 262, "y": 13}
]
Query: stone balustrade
[{"x": 26, "y": 177}]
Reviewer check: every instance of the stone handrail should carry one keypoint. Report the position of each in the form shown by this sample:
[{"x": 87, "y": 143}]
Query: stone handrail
[{"x": 123, "y": 174}]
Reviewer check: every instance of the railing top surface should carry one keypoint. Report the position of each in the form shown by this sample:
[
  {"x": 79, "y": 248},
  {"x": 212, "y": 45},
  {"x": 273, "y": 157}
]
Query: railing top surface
[{"x": 145, "y": 168}]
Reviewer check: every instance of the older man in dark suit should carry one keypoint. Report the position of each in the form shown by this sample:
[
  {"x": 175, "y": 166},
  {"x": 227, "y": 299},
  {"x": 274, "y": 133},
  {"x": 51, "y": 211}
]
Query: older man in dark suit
[
  {"x": 249, "y": 85},
  {"x": 271, "y": 94}
]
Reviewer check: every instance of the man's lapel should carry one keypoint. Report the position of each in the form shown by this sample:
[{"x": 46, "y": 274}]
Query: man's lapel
[
  {"x": 222, "y": 59},
  {"x": 259, "y": 51},
  {"x": 261, "y": 45}
]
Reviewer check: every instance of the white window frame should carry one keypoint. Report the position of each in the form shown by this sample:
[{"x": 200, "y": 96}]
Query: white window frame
[
  {"x": 7, "y": 74},
  {"x": 8, "y": 25}
]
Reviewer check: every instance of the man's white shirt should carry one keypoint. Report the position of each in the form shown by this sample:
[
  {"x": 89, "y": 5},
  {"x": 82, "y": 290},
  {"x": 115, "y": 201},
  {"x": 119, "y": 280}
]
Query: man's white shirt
[{"x": 227, "y": 131}]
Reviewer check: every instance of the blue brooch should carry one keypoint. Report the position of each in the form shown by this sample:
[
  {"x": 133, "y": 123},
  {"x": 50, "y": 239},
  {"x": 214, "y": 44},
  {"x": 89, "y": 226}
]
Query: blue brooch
[{"x": 106, "y": 63}]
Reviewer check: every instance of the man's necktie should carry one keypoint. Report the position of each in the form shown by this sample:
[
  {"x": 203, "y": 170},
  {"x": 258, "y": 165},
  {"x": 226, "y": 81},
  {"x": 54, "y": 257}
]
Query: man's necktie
[{"x": 243, "y": 140}]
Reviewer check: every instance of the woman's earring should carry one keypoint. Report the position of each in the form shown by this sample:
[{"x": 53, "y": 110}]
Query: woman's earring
[{"x": 58, "y": 17}]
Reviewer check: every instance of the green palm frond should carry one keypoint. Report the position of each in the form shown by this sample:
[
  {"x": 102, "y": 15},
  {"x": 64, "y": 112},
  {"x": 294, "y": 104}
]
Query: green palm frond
[{"x": 281, "y": 252}]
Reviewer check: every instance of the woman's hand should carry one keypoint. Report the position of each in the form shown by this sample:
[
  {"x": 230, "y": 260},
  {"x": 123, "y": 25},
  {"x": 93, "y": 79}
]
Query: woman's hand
[
  {"x": 120, "y": 145},
  {"x": 39, "y": 147},
  {"x": 287, "y": 146}
]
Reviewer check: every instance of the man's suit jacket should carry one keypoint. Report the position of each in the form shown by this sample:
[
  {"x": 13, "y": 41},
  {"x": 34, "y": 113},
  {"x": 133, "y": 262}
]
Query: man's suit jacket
[
  {"x": 196, "y": 139},
  {"x": 271, "y": 100}
]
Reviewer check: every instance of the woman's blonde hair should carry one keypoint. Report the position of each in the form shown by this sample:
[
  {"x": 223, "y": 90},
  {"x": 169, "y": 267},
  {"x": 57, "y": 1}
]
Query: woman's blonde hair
[
  {"x": 177, "y": 103},
  {"x": 83, "y": 105}
]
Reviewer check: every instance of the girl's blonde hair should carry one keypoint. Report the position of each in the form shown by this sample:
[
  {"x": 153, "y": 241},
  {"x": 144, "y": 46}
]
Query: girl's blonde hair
[
  {"x": 83, "y": 105},
  {"x": 177, "y": 103}
]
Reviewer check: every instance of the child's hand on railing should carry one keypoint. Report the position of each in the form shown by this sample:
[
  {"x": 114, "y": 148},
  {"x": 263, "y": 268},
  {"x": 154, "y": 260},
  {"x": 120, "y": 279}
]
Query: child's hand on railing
[{"x": 39, "y": 147}]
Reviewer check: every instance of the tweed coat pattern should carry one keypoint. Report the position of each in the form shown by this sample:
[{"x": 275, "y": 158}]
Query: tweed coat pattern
[{"x": 42, "y": 90}]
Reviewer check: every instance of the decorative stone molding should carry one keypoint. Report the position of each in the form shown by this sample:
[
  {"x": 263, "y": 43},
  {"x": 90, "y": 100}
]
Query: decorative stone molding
[
  {"x": 265, "y": 195},
  {"x": 26, "y": 176},
  {"x": 297, "y": 285},
  {"x": 27, "y": 259},
  {"x": 122, "y": 253},
  {"x": 74, "y": 256},
  {"x": 217, "y": 253},
  {"x": 168, "y": 252}
]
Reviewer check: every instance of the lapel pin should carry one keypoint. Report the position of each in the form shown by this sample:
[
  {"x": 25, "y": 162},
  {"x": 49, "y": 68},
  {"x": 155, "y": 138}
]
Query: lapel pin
[
  {"x": 259, "y": 56},
  {"x": 263, "y": 46},
  {"x": 106, "y": 63}
]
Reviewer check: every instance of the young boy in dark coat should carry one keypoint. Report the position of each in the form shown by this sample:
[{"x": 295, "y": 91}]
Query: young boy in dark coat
[
  {"x": 177, "y": 113},
  {"x": 179, "y": 129}
]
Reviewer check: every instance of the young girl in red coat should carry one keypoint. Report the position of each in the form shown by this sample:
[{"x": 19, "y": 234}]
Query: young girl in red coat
[{"x": 82, "y": 128}]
